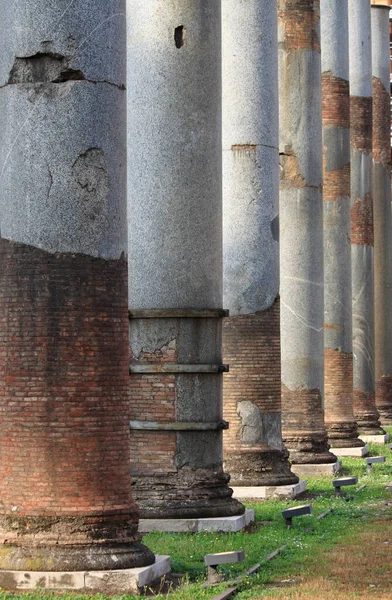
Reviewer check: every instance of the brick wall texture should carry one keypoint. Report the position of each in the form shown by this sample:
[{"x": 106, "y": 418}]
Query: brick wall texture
[
  {"x": 64, "y": 436},
  {"x": 301, "y": 18}
]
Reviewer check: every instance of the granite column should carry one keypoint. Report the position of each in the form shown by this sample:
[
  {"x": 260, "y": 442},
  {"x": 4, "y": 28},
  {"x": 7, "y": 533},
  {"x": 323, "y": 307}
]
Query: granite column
[
  {"x": 254, "y": 454},
  {"x": 382, "y": 207},
  {"x": 175, "y": 237},
  {"x": 301, "y": 233},
  {"x": 65, "y": 491},
  {"x": 338, "y": 355},
  {"x": 362, "y": 229}
]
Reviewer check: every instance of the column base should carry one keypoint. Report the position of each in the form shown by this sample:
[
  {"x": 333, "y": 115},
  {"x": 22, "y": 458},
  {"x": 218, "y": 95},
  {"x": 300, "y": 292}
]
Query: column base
[
  {"x": 308, "y": 449},
  {"x": 316, "y": 470},
  {"x": 384, "y": 399},
  {"x": 254, "y": 468},
  {"x": 375, "y": 439},
  {"x": 217, "y": 524},
  {"x": 266, "y": 492},
  {"x": 119, "y": 581},
  {"x": 343, "y": 435},
  {"x": 354, "y": 452},
  {"x": 186, "y": 494}
]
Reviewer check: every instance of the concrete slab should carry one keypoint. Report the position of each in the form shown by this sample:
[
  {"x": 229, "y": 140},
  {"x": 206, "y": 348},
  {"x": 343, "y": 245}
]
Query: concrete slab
[
  {"x": 375, "y": 439},
  {"x": 266, "y": 492},
  {"x": 314, "y": 470},
  {"x": 124, "y": 581},
  {"x": 224, "y": 524},
  {"x": 354, "y": 452}
]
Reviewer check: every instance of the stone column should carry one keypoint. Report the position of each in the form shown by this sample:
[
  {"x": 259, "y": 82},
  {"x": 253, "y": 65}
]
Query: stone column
[
  {"x": 254, "y": 454},
  {"x": 301, "y": 232},
  {"x": 338, "y": 355},
  {"x": 175, "y": 237},
  {"x": 382, "y": 207},
  {"x": 65, "y": 492},
  {"x": 362, "y": 234}
]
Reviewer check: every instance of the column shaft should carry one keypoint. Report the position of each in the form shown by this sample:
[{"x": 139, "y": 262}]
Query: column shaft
[
  {"x": 338, "y": 355},
  {"x": 362, "y": 230},
  {"x": 382, "y": 208},
  {"x": 301, "y": 229},
  {"x": 254, "y": 454},
  {"x": 175, "y": 195},
  {"x": 65, "y": 492}
]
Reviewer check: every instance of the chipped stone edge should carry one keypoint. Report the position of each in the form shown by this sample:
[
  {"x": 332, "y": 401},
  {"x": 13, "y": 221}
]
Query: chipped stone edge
[{"x": 270, "y": 491}]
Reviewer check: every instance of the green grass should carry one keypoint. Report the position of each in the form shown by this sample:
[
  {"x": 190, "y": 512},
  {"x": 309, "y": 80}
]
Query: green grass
[{"x": 308, "y": 538}]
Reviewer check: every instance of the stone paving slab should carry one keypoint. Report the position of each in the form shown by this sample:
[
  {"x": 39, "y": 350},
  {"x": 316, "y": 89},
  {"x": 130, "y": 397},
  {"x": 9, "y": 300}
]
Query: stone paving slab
[
  {"x": 270, "y": 491},
  {"x": 354, "y": 452},
  {"x": 123, "y": 581},
  {"x": 314, "y": 470},
  {"x": 225, "y": 524},
  {"x": 375, "y": 439}
]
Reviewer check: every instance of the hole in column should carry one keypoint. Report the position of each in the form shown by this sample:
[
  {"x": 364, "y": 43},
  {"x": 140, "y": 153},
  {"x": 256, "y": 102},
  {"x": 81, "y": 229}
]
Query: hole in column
[{"x": 179, "y": 36}]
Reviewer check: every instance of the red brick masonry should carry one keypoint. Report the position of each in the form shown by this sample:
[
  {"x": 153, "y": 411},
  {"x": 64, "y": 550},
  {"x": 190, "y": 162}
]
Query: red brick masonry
[
  {"x": 251, "y": 345},
  {"x": 64, "y": 436}
]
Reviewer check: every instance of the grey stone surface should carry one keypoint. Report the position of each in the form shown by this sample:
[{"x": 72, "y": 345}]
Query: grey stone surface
[
  {"x": 334, "y": 37},
  {"x": 355, "y": 452},
  {"x": 250, "y": 155},
  {"x": 302, "y": 318},
  {"x": 374, "y": 459},
  {"x": 315, "y": 470},
  {"x": 224, "y": 524},
  {"x": 338, "y": 290},
  {"x": 174, "y": 155},
  {"x": 343, "y": 481},
  {"x": 360, "y": 42},
  {"x": 375, "y": 439},
  {"x": 297, "y": 511},
  {"x": 267, "y": 492},
  {"x": 259, "y": 427},
  {"x": 224, "y": 558},
  {"x": 62, "y": 169},
  {"x": 380, "y": 44},
  {"x": 363, "y": 317},
  {"x": 125, "y": 581}
]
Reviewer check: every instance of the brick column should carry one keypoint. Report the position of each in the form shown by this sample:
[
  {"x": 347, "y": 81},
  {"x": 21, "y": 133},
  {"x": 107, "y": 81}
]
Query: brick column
[
  {"x": 254, "y": 453},
  {"x": 338, "y": 355},
  {"x": 362, "y": 231},
  {"x": 382, "y": 207},
  {"x": 65, "y": 492},
  {"x": 301, "y": 228},
  {"x": 175, "y": 221}
]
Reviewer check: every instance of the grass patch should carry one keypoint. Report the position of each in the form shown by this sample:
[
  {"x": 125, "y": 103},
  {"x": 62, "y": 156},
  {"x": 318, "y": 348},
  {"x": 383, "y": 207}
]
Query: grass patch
[{"x": 310, "y": 541}]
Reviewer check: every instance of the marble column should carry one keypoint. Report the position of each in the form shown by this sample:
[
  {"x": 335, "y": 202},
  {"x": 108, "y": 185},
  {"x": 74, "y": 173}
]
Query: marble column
[
  {"x": 253, "y": 451},
  {"x": 362, "y": 229},
  {"x": 382, "y": 207},
  {"x": 301, "y": 232},
  {"x": 175, "y": 238},
  {"x": 65, "y": 490},
  {"x": 338, "y": 355}
]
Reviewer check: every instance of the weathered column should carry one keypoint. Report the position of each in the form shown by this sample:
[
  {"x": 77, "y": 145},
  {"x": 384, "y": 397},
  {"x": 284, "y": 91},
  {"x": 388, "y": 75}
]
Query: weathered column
[
  {"x": 175, "y": 221},
  {"x": 362, "y": 235},
  {"x": 382, "y": 207},
  {"x": 301, "y": 232},
  {"x": 254, "y": 454},
  {"x": 65, "y": 493},
  {"x": 338, "y": 355}
]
